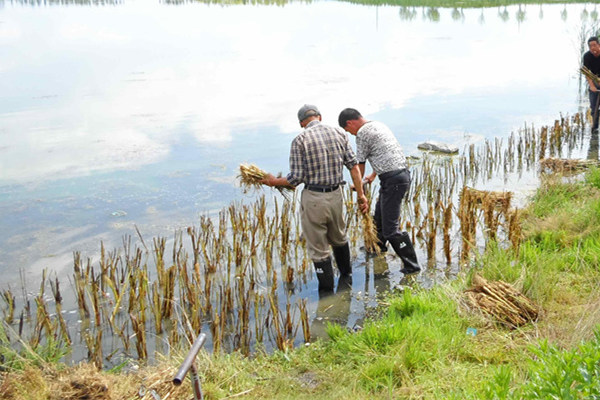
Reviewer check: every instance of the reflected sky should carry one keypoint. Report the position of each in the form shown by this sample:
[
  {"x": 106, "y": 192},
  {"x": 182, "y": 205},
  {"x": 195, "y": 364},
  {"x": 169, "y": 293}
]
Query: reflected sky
[
  {"x": 148, "y": 108},
  {"x": 95, "y": 89}
]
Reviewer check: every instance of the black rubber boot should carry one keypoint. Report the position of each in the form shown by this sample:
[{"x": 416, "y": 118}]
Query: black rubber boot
[
  {"x": 405, "y": 250},
  {"x": 342, "y": 259},
  {"x": 324, "y": 272}
]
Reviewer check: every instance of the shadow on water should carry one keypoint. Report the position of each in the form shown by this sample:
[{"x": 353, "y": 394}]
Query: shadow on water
[{"x": 593, "y": 147}]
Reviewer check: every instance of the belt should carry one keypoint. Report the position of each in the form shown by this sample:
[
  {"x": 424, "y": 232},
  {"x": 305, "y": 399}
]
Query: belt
[
  {"x": 389, "y": 174},
  {"x": 322, "y": 188}
]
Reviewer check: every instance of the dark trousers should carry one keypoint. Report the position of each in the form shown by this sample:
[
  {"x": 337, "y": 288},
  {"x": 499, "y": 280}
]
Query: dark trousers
[
  {"x": 594, "y": 107},
  {"x": 393, "y": 187}
]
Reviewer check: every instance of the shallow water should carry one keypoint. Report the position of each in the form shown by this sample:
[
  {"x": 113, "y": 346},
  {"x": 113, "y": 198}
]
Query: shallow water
[{"x": 138, "y": 113}]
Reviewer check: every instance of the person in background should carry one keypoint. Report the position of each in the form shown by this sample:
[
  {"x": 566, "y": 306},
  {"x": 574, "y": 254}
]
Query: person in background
[
  {"x": 591, "y": 60},
  {"x": 318, "y": 156},
  {"x": 376, "y": 143}
]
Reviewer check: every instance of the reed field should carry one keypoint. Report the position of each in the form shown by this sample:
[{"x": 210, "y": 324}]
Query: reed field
[
  {"x": 240, "y": 278},
  {"x": 426, "y": 344}
]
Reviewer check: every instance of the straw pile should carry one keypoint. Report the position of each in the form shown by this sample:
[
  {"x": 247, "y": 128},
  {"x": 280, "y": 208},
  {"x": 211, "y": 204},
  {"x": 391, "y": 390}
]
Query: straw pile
[
  {"x": 501, "y": 301},
  {"x": 251, "y": 177},
  {"x": 563, "y": 165}
]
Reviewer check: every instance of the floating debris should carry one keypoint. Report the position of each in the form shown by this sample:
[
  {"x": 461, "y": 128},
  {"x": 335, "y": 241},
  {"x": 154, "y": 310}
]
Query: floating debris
[
  {"x": 564, "y": 165},
  {"x": 438, "y": 147}
]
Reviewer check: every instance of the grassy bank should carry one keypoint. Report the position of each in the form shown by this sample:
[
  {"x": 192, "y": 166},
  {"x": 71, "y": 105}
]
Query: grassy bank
[{"x": 419, "y": 347}]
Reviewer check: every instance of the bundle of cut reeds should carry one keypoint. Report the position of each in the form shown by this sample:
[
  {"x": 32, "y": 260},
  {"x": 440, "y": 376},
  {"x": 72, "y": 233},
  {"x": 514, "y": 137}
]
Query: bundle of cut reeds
[
  {"x": 502, "y": 301},
  {"x": 585, "y": 71},
  {"x": 370, "y": 234},
  {"x": 368, "y": 224},
  {"x": 566, "y": 165},
  {"x": 251, "y": 177}
]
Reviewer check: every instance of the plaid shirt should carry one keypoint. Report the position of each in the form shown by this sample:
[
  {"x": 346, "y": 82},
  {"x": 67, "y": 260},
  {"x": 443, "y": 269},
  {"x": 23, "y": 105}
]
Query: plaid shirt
[{"x": 318, "y": 155}]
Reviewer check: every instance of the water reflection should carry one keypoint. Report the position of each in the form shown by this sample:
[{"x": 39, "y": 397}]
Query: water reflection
[
  {"x": 503, "y": 14},
  {"x": 381, "y": 276},
  {"x": 65, "y": 2},
  {"x": 332, "y": 308},
  {"x": 432, "y": 14},
  {"x": 407, "y": 13},
  {"x": 593, "y": 147},
  {"x": 458, "y": 15},
  {"x": 520, "y": 14}
]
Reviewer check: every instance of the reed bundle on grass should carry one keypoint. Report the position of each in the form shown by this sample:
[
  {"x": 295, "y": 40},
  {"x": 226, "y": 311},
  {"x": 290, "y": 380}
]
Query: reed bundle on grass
[
  {"x": 502, "y": 301},
  {"x": 251, "y": 177},
  {"x": 562, "y": 165}
]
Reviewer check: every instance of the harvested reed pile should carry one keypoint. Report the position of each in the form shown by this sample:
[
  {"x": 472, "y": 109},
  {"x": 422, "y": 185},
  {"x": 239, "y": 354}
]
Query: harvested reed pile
[
  {"x": 251, "y": 177},
  {"x": 564, "y": 165},
  {"x": 502, "y": 301},
  {"x": 86, "y": 382},
  {"x": 82, "y": 382}
]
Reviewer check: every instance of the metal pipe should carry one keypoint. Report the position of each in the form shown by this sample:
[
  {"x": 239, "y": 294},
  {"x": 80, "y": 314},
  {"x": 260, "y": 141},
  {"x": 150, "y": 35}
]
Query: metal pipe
[{"x": 188, "y": 364}]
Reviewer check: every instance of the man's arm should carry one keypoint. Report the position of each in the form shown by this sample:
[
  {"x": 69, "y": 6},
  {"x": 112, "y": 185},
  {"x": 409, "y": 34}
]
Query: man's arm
[
  {"x": 271, "y": 180},
  {"x": 586, "y": 63},
  {"x": 361, "y": 167},
  {"x": 593, "y": 87},
  {"x": 356, "y": 175},
  {"x": 370, "y": 178}
]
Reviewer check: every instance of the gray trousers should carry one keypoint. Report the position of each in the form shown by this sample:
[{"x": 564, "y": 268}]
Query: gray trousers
[{"x": 322, "y": 220}]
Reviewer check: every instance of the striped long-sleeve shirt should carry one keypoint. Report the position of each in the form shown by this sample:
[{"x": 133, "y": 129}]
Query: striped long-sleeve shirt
[{"x": 319, "y": 154}]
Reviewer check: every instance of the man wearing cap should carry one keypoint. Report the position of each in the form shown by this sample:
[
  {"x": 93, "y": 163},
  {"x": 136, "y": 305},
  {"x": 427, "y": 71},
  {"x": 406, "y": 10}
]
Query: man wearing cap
[
  {"x": 317, "y": 158},
  {"x": 376, "y": 142}
]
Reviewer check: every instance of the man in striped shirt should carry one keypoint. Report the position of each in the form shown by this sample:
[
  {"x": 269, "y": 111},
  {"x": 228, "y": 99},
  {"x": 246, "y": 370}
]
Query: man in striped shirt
[
  {"x": 376, "y": 142},
  {"x": 318, "y": 156}
]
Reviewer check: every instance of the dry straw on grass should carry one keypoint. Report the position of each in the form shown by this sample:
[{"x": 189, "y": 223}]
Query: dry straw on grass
[
  {"x": 502, "y": 301},
  {"x": 251, "y": 177},
  {"x": 564, "y": 165}
]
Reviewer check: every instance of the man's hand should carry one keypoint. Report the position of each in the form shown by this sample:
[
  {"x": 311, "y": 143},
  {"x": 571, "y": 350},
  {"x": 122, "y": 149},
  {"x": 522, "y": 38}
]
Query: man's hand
[
  {"x": 593, "y": 88},
  {"x": 268, "y": 180},
  {"x": 370, "y": 178},
  {"x": 363, "y": 204}
]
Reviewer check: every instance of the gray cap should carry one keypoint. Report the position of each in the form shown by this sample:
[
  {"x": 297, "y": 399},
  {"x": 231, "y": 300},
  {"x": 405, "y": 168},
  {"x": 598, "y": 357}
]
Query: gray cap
[{"x": 307, "y": 110}]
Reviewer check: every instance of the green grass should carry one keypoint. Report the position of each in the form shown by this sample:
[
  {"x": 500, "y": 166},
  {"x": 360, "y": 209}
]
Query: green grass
[{"x": 17, "y": 355}]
